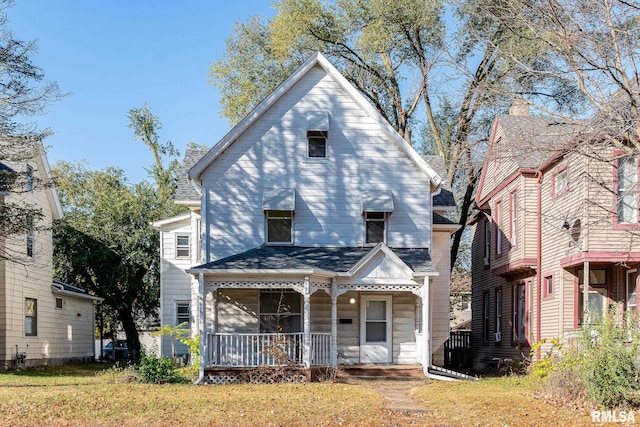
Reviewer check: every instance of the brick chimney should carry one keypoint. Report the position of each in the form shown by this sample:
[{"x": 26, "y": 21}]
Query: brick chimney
[{"x": 520, "y": 107}]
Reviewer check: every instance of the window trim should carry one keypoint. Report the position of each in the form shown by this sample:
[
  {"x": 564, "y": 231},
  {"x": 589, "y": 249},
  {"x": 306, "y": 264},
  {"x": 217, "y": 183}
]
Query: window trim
[
  {"x": 186, "y": 304},
  {"x": 291, "y": 313},
  {"x": 31, "y": 240},
  {"x": 384, "y": 221},
  {"x": 186, "y": 247},
  {"x": 267, "y": 217},
  {"x": 28, "y": 180},
  {"x": 487, "y": 242},
  {"x": 486, "y": 317},
  {"x": 513, "y": 219},
  {"x": 61, "y": 303},
  {"x": 548, "y": 286},
  {"x": 626, "y": 289},
  {"x": 34, "y": 323},
  {"x": 498, "y": 227},
  {"x": 515, "y": 315},
  {"x": 618, "y": 155},
  {"x": 317, "y": 135},
  {"x": 564, "y": 168},
  {"x": 498, "y": 316},
  {"x": 579, "y": 292}
]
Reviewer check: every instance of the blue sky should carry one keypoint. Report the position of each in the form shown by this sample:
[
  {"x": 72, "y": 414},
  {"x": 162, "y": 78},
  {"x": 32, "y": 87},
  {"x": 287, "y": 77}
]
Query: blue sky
[{"x": 111, "y": 56}]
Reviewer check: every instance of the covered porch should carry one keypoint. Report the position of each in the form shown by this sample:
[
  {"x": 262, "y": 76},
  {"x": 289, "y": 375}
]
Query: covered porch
[{"x": 367, "y": 309}]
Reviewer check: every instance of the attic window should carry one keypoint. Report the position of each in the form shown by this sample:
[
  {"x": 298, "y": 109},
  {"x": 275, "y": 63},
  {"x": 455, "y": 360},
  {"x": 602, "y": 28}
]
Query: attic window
[{"x": 317, "y": 144}]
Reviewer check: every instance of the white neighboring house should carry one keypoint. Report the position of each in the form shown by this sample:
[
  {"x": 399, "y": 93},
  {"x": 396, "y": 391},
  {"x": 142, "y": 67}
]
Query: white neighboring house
[
  {"x": 42, "y": 321},
  {"x": 312, "y": 222}
]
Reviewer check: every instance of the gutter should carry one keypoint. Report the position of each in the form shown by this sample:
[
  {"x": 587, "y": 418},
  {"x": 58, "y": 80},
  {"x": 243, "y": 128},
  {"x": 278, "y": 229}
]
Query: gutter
[
  {"x": 59, "y": 289},
  {"x": 539, "y": 263}
]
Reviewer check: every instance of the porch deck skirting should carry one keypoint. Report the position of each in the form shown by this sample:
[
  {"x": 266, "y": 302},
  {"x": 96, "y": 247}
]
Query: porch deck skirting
[{"x": 252, "y": 350}]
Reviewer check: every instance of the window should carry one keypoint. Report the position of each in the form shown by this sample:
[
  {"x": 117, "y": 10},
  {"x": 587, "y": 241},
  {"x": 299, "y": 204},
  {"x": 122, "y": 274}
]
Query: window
[
  {"x": 31, "y": 317},
  {"x": 183, "y": 247},
  {"x": 317, "y": 146},
  {"x": 280, "y": 311},
  {"x": 31, "y": 237},
  {"x": 547, "y": 286},
  {"x": 485, "y": 317},
  {"x": 465, "y": 302},
  {"x": 59, "y": 303},
  {"x": 598, "y": 296},
  {"x": 560, "y": 182},
  {"x": 487, "y": 242},
  {"x": 519, "y": 335},
  {"x": 632, "y": 291},
  {"x": 626, "y": 190},
  {"x": 28, "y": 178},
  {"x": 513, "y": 223},
  {"x": 183, "y": 313},
  {"x": 498, "y": 221},
  {"x": 279, "y": 227},
  {"x": 374, "y": 227},
  {"x": 498, "y": 334}
]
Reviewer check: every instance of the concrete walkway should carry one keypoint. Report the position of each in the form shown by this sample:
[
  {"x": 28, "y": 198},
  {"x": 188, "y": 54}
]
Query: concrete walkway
[{"x": 397, "y": 392}]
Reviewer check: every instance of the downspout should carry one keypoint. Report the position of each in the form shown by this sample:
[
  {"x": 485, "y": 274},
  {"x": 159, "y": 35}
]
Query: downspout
[
  {"x": 426, "y": 334},
  {"x": 202, "y": 323},
  {"x": 539, "y": 263}
]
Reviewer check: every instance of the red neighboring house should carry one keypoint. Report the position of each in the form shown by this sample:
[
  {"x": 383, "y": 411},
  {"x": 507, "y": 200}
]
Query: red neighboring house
[{"x": 557, "y": 223}]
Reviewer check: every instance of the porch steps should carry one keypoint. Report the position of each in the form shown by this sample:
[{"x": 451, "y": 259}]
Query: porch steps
[{"x": 365, "y": 373}]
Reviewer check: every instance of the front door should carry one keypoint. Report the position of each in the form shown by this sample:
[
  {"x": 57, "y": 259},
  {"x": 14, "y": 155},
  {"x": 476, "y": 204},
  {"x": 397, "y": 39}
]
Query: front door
[{"x": 375, "y": 329}]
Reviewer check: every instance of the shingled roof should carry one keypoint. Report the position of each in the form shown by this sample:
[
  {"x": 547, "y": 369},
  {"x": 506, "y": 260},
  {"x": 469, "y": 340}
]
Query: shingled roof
[
  {"x": 185, "y": 191},
  {"x": 335, "y": 259},
  {"x": 530, "y": 140}
]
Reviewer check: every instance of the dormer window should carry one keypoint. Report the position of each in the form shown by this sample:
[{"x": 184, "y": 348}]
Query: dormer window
[{"x": 317, "y": 144}]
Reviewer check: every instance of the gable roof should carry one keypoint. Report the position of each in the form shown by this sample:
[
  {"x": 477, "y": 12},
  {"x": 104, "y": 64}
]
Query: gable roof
[
  {"x": 529, "y": 141},
  {"x": 186, "y": 192},
  {"x": 319, "y": 60},
  {"x": 326, "y": 260}
]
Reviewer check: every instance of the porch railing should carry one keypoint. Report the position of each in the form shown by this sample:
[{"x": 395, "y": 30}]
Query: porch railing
[{"x": 247, "y": 350}]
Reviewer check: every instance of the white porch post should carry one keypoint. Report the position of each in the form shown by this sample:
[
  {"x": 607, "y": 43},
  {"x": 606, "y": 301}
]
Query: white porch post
[
  {"x": 334, "y": 325},
  {"x": 214, "y": 328},
  {"x": 202, "y": 304},
  {"x": 306, "y": 355},
  {"x": 426, "y": 326}
]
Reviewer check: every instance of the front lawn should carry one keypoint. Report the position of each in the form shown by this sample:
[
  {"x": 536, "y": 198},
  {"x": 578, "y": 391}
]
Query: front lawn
[{"x": 79, "y": 396}]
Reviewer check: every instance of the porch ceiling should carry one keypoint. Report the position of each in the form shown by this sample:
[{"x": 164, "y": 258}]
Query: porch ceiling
[{"x": 334, "y": 260}]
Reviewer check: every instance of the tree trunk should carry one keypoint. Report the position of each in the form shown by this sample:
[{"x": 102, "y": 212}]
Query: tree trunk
[
  {"x": 130, "y": 330},
  {"x": 464, "y": 216}
]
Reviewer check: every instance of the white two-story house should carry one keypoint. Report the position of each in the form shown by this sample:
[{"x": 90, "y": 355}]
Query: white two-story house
[{"x": 314, "y": 227}]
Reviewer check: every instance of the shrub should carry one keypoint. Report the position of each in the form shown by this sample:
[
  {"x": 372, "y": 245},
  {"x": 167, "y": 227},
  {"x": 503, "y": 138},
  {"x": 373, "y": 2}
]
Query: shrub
[
  {"x": 608, "y": 363},
  {"x": 602, "y": 367},
  {"x": 159, "y": 370}
]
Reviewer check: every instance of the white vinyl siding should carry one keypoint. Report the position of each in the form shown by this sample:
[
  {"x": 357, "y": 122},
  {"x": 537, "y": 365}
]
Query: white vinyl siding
[{"x": 271, "y": 154}]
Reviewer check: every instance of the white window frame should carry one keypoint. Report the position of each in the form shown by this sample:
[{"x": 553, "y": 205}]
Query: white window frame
[
  {"x": 34, "y": 323},
  {"x": 180, "y": 316},
  {"x": 183, "y": 247},
  {"x": 498, "y": 227},
  {"x": 278, "y": 215},
  {"x": 31, "y": 240},
  {"x": 383, "y": 220},
  {"x": 513, "y": 202},
  {"x": 316, "y": 135},
  {"x": 487, "y": 242},
  {"x": 627, "y": 192},
  {"x": 28, "y": 185}
]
